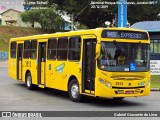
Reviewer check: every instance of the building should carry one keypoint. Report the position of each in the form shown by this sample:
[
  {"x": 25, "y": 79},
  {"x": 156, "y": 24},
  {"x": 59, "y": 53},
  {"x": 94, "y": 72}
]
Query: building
[
  {"x": 153, "y": 28},
  {"x": 13, "y": 17},
  {"x": 147, "y": 25}
]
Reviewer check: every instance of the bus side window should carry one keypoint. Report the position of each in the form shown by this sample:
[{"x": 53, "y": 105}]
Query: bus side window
[
  {"x": 62, "y": 48},
  {"x": 33, "y": 52},
  {"x": 26, "y": 49},
  {"x": 74, "y": 48},
  {"x": 52, "y": 47},
  {"x": 13, "y": 50}
]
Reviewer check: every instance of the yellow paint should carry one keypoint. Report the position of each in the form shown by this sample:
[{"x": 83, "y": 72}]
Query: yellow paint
[
  {"x": 52, "y": 78},
  {"x": 42, "y": 72},
  {"x": 41, "y": 86},
  {"x": 20, "y": 70}
]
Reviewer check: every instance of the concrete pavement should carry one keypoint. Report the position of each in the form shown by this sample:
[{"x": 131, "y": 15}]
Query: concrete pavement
[{"x": 4, "y": 64}]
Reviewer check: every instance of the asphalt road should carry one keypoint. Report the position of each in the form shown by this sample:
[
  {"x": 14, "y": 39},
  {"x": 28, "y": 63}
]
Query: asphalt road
[{"x": 14, "y": 96}]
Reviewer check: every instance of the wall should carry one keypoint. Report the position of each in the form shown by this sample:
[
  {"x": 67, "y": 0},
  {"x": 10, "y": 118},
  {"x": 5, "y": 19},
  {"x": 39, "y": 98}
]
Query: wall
[{"x": 9, "y": 15}]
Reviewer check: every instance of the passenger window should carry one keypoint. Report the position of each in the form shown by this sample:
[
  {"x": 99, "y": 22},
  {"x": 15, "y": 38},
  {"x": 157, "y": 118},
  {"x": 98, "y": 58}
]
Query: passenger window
[
  {"x": 26, "y": 49},
  {"x": 13, "y": 50},
  {"x": 33, "y": 50},
  {"x": 74, "y": 48},
  {"x": 52, "y": 46},
  {"x": 62, "y": 48}
]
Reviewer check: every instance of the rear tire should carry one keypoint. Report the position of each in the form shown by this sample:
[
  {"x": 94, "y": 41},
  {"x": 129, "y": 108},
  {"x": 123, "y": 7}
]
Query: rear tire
[
  {"x": 29, "y": 84},
  {"x": 74, "y": 93}
]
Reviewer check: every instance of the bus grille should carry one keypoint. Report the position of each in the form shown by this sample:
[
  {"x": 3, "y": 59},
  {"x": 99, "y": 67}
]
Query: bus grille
[
  {"x": 136, "y": 91},
  {"x": 127, "y": 87}
]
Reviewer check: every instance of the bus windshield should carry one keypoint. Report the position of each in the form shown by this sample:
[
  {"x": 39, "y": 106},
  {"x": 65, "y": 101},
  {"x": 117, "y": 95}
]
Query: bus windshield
[{"x": 118, "y": 56}]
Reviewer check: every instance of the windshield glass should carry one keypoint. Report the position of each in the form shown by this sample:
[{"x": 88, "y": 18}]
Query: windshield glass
[{"x": 117, "y": 56}]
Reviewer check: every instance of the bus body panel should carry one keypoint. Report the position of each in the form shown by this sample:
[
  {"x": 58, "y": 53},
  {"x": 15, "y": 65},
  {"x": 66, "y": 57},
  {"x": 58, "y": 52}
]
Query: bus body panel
[
  {"x": 12, "y": 68},
  {"x": 121, "y": 83},
  {"x": 59, "y": 72},
  {"x": 33, "y": 70}
]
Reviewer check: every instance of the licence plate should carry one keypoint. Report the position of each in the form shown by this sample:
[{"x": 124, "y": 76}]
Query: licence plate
[{"x": 129, "y": 92}]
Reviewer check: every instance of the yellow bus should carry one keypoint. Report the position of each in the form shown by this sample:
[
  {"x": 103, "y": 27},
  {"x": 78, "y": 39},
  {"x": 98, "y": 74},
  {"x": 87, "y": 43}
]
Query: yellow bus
[{"x": 103, "y": 62}]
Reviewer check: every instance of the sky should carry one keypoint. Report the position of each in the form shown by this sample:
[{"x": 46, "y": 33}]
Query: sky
[{"x": 14, "y": 4}]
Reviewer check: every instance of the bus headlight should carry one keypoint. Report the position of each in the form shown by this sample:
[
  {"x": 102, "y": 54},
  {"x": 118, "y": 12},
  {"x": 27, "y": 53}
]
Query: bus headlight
[
  {"x": 101, "y": 81},
  {"x": 104, "y": 82},
  {"x": 147, "y": 83},
  {"x": 108, "y": 84}
]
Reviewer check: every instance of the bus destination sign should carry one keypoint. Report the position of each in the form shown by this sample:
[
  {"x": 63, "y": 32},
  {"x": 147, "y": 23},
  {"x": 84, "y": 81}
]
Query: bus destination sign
[{"x": 124, "y": 34}]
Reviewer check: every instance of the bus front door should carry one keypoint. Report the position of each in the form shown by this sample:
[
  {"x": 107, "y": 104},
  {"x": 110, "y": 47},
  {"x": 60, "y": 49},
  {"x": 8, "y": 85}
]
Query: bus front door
[
  {"x": 19, "y": 61},
  {"x": 88, "y": 68},
  {"x": 41, "y": 63}
]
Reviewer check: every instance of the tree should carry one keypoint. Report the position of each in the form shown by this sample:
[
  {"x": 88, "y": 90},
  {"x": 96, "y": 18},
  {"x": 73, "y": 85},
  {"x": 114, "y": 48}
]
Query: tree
[
  {"x": 94, "y": 16},
  {"x": 91, "y": 17},
  {"x": 48, "y": 18},
  {"x": 31, "y": 16},
  {"x": 87, "y": 14},
  {"x": 51, "y": 20},
  {"x": 143, "y": 12}
]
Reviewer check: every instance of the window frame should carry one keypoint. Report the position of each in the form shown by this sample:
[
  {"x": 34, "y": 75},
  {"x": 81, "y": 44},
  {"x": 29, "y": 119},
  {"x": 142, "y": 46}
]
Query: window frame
[
  {"x": 13, "y": 50},
  {"x": 59, "y": 39},
  {"x": 79, "y": 38},
  {"x": 155, "y": 43},
  {"x": 24, "y": 50},
  {"x": 33, "y": 49},
  {"x": 52, "y": 39}
]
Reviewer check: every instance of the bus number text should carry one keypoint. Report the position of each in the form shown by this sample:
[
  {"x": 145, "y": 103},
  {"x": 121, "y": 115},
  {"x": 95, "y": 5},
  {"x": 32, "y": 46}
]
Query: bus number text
[{"x": 28, "y": 64}]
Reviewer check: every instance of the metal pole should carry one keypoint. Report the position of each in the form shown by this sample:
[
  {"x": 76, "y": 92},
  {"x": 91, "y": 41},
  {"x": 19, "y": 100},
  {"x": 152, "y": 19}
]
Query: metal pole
[
  {"x": 72, "y": 22},
  {"x": 72, "y": 19}
]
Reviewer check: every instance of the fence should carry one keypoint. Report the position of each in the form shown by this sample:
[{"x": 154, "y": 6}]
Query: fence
[{"x": 3, "y": 56}]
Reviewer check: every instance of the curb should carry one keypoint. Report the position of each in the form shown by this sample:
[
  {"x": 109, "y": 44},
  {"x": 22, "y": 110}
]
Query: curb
[
  {"x": 3, "y": 64},
  {"x": 155, "y": 89}
]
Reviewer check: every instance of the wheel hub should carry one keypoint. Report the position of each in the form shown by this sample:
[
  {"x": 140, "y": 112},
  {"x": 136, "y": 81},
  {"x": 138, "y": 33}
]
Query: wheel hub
[
  {"x": 74, "y": 90},
  {"x": 28, "y": 81}
]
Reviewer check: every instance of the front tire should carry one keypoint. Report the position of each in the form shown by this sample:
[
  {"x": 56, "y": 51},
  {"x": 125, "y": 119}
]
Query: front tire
[
  {"x": 29, "y": 84},
  {"x": 74, "y": 93}
]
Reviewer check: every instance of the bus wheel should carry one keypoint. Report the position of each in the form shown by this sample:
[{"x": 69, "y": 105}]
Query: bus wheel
[
  {"x": 74, "y": 91},
  {"x": 29, "y": 82},
  {"x": 118, "y": 98}
]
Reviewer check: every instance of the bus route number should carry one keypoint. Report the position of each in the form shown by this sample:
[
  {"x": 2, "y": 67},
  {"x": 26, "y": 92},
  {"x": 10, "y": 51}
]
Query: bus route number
[
  {"x": 119, "y": 83},
  {"x": 28, "y": 64}
]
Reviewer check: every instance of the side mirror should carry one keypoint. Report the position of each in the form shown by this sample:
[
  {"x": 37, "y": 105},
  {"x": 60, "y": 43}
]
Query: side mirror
[{"x": 98, "y": 49}]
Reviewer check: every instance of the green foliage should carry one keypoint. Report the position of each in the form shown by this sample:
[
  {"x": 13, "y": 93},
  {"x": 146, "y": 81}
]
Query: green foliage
[
  {"x": 143, "y": 12},
  {"x": 84, "y": 13},
  {"x": 59, "y": 23},
  {"x": 48, "y": 18},
  {"x": 30, "y": 16},
  {"x": 4, "y": 42},
  {"x": 7, "y": 32},
  {"x": 155, "y": 81}
]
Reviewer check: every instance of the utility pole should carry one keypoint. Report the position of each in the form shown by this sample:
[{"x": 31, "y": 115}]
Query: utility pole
[
  {"x": 72, "y": 25},
  {"x": 72, "y": 19}
]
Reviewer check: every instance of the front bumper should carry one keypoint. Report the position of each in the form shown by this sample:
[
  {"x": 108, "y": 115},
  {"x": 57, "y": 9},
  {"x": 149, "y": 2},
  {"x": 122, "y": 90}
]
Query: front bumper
[{"x": 103, "y": 91}]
